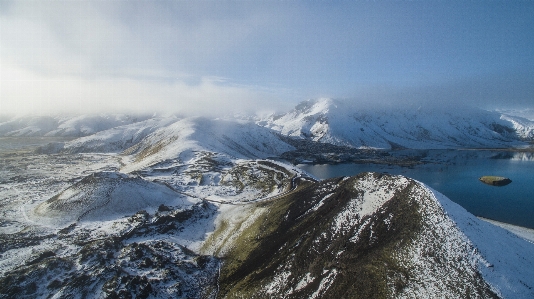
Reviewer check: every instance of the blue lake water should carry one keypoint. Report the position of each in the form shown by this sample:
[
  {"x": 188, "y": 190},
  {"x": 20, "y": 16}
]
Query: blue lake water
[{"x": 455, "y": 173}]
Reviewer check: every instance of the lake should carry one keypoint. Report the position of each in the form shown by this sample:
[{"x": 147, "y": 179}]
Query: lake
[{"x": 455, "y": 173}]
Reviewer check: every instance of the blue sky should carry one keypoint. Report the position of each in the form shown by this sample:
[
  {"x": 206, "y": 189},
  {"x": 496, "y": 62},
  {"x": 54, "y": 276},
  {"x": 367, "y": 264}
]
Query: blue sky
[{"x": 219, "y": 56}]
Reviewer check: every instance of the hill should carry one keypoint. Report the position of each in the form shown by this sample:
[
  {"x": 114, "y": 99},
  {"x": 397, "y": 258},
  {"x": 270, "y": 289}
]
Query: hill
[
  {"x": 106, "y": 196},
  {"x": 234, "y": 139}
]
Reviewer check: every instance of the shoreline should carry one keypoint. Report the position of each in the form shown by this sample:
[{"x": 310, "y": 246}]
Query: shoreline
[
  {"x": 528, "y": 149},
  {"x": 520, "y": 231}
]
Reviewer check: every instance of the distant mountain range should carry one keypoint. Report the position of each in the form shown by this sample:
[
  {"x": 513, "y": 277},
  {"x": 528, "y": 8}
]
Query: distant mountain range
[
  {"x": 63, "y": 126},
  {"x": 342, "y": 123},
  {"x": 331, "y": 121}
]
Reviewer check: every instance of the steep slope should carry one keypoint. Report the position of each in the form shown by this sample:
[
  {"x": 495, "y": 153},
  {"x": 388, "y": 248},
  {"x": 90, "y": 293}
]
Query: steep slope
[
  {"x": 342, "y": 123},
  {"x": 106, "y": 196},
  {"x": 187, "y": 136},
  {"x": 64, "y": 126},
  {"x": 370, "y": 236},
  {"x": 523, "y": 126},
  {"x": 526, "y": 113}
]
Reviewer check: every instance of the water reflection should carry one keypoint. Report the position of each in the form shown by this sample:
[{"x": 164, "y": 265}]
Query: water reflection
[
  {"x": 519, "y": 156},
  {"x": 523, "y": 156}
]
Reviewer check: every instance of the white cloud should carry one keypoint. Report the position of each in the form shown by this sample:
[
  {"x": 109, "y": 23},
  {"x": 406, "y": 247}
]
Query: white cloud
[
  {"x": 98, "y": 38},
  {"x": 90, "y": 56},
  {"x": 23, "y": 91},
  {"x": 84, "y": 55}
]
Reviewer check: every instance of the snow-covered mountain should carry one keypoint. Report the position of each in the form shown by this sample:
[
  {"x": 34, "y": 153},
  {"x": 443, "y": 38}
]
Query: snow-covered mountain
[
  {"x": 324, "y": 120},
  {"x": 168, "y": 207},
  {"x": 183, "y": 138},
  {"x": 524, "y": 127},
  {"x": 155, "y": 140},
  {"x": 369, "y": 236},
  {"x": 115, "y": 139},
  {"x": 64, "y": 126},
  {"x": 332, "y": 121},
  {"x": 341, "y": 123}
]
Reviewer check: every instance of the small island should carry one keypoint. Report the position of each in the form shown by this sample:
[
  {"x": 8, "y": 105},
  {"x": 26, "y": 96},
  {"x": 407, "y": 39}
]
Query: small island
[{"x": 495, "y": 180}]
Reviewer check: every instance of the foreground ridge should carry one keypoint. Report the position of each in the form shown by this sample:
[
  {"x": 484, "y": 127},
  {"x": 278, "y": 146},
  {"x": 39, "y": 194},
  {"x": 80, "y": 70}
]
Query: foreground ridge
[{"x": 373, "y": 236}]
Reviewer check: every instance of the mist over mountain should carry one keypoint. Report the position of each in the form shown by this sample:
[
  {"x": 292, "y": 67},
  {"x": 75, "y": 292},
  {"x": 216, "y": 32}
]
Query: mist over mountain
[
  {"x": 334, "y": 121},
  {"x": 64, "y": 125},
  {"x": 427, "y": 126}
]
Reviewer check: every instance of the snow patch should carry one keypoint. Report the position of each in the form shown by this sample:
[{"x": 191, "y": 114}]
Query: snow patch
[{"x": 326, "y": 282}]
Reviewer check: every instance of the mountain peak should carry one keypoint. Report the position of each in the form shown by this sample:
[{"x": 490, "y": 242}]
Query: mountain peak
[{"x": 315, "y": 106}]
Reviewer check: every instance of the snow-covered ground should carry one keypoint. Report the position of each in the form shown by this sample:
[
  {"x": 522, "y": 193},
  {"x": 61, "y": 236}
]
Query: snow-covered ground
[
  {"x": 105, "y": 196},
  {"x": 504, "y": 259},
  {"x": 523, "y": 232},
  {"x": 29, "y": 179}
]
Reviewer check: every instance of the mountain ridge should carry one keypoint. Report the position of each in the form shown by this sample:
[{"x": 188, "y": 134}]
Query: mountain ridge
[
  {"x": 397, "y": 236},
  {"x": 64, "y": 126},
  {"x": 343, "y": 123}
]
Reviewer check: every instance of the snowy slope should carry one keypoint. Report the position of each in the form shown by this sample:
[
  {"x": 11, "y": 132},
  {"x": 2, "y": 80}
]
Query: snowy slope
[
  {"x": 523, "y": 126},
  {"x": 106, "y": 196},
  {"x": 184, "y": 137},
  {"x": 64, "y": 126},
  {"x": 28, "y": 126},
  {"x": 377, "y": 236},
  {"x": 505, "y": 260},
  {"x": 341, "y": 123},
  {"x": 527, "y": 113}
]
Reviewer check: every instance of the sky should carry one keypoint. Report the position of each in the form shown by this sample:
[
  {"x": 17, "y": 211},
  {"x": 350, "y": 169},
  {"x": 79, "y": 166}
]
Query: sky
[{"x": 226, "y": 56}]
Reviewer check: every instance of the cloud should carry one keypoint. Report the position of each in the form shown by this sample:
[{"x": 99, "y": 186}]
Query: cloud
[
  {"x": 95, "y": 56},
  {"x": 93, "y": 38},
  {"x": 84, "y": 55},
  {"x": 30, "y": 92}
]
